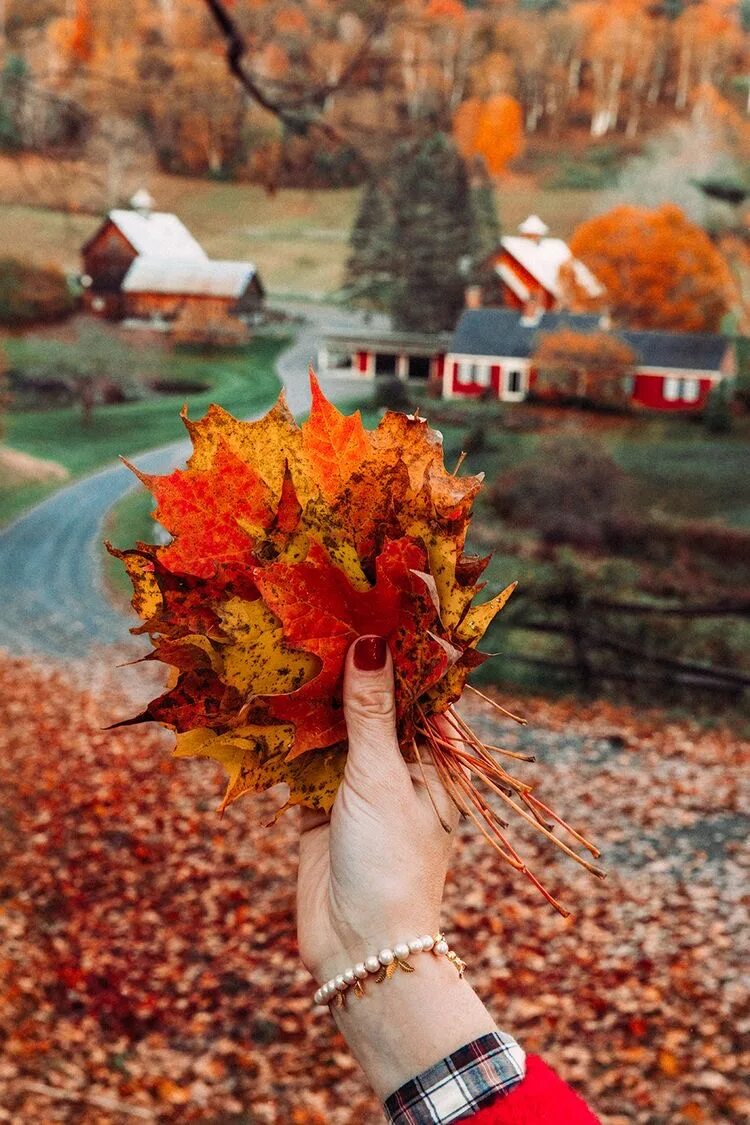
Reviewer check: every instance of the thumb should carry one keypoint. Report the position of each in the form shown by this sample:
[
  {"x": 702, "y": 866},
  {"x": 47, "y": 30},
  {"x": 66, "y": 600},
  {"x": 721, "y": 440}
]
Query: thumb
[{"x": 370, "y": 713}]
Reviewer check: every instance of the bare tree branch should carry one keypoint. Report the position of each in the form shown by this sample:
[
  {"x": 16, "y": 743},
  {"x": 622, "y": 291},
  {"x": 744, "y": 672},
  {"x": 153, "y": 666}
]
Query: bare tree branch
[{"x": 304, "y": 111}]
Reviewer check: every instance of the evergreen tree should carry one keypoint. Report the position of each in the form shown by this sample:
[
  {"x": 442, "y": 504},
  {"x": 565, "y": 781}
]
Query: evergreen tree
[
  {"x": 433, "y": 239},
  {"x": 485, "y": 234},
  {"x": 11, "y": 102},
  {"x": 370, "y": 264},
  {"x": 745, "y": 14}
]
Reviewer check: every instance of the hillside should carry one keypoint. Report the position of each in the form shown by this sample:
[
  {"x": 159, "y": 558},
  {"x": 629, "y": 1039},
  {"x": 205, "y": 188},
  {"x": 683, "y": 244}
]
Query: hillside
[{"x": 332, "y": 88}]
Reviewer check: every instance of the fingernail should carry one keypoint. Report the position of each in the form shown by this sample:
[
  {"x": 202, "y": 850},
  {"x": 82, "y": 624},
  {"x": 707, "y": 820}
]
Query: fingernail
[{"x": 369, "y": 654}]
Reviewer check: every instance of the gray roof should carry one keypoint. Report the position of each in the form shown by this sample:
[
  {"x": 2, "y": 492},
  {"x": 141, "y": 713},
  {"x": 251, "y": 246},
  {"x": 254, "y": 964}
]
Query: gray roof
[
  {"x": 504, "y": 332},
  {"x": 193, "y": 277},
  {"x": 406, "y": 343}
]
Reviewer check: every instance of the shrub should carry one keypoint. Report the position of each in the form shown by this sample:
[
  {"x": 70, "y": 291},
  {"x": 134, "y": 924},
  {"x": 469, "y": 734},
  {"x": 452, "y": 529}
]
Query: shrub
[
  {"x": 30, "y": 294},
  {"x": 390, "y": 393},
  {"x": 717, "y": 413},
  {"x": 569, "y": 490}
]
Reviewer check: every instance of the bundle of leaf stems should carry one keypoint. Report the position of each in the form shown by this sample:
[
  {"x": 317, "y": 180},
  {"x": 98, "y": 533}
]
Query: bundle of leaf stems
[{"x": 459, "y": 755}]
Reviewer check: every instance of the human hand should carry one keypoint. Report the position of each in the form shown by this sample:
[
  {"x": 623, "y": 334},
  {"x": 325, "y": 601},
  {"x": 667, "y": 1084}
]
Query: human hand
[{"x": 373, "y": 873}]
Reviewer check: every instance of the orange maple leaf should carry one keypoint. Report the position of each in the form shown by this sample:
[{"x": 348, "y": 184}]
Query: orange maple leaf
[{"x": 289, "y": 543}]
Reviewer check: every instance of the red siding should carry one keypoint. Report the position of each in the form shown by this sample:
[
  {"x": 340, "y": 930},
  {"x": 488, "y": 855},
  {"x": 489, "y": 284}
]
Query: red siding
[
  {"x": 472, "y": 390},
  {"x": 649, "y": 392},
  {"x": 362, "y": 360},
  {"x": 528, "y": 279},
  {"x": 439, "y": 366}
]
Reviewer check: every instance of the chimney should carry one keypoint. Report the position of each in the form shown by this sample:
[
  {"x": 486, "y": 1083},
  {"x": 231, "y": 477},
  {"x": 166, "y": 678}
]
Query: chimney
[
  {"x": 473, "y": 297},
  {"x": 533, "y": 311},
  {"x": 605, "y": 320}
]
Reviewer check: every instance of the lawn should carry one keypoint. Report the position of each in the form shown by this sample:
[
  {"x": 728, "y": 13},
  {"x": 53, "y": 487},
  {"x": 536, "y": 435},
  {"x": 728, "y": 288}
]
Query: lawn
[{"x": 243, "y": 381}]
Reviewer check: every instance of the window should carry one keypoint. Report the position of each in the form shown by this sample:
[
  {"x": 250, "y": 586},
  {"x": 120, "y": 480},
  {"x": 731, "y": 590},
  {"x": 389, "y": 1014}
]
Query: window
[
  {"x": 464, "y": 373},
  {"x": 671, "y": 389},
  {"x": 473, "y": 373},
  {"x": 385, "y": 364},
  {"x": 690, "y": 390},
  {"x": 514, "y": 381},
  {"x": 419, "y": 367}
]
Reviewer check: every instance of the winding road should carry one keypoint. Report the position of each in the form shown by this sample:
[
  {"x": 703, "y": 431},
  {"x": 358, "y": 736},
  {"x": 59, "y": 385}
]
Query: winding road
[{"x": 52, "y": 596}]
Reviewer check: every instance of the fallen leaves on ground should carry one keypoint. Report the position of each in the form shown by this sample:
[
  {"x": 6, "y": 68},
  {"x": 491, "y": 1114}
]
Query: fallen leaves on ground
[{"x": 148, "y": 965}]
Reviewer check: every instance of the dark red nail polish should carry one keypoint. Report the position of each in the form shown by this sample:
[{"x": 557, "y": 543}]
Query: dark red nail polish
[{"x": 369, "y": 654}]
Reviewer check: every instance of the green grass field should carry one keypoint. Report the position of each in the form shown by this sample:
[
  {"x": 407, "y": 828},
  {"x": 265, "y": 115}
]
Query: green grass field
[{"x": 243, "y": 381}]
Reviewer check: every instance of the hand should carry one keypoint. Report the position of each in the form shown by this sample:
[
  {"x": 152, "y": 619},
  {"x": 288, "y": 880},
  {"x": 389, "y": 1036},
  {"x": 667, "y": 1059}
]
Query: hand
[{"x": 373, "y": 873}]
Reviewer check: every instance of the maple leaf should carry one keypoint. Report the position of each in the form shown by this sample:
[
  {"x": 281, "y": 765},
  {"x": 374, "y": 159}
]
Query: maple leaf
[{"x": 290, "y": 542}]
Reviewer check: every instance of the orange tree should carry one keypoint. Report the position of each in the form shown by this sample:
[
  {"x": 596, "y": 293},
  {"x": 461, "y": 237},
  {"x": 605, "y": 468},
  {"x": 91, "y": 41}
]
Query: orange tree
[
  {"x": 659, "y": 269},
  {"x": 577, "y": 365},
  {"x": 492, "y": 129}
]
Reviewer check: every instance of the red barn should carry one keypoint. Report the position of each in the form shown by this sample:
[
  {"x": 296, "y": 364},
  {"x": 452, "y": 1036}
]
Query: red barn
[
  {"x": 491, "y": 349},
  {"x": 528, "y": 266},
  {"x": 162, "y": 288},
  {"x": 123, "y": 237},
  {"x": 146, "y": 265}
]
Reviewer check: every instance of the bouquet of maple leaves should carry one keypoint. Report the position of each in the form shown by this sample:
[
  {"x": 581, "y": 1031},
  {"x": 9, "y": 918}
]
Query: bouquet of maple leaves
[{"x": 289, "y": 542}]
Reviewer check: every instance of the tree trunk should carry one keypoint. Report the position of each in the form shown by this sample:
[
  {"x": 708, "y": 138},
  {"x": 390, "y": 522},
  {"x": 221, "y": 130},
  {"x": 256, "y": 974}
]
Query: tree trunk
[
  {"x": 87, "y": 405},
  {"x": 683, "y": 79}
]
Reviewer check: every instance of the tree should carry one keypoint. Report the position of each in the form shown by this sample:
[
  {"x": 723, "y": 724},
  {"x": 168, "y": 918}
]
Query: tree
[
  {"x": 11, "y": 102},
  {"x": 596, "y": 367},
  {"x": 485, "y": 227},
  {"x": 4, "y": 390},
  {"x": 94, "y": 366},
  {"x": 32, "y": 294},
  {"x": 717, "y": 413},
  {"x": 658, "y": 268},
  {"x": 675, "y": 162},
  {"x": 432, "y": 235},
  {"x": 369, "y": 268},
  {"x": 492, "y": 130}
]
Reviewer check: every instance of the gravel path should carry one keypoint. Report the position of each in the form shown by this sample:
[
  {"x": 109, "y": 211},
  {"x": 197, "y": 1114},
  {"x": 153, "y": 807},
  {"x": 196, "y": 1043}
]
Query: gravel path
[{"x": 53, "y": 600}]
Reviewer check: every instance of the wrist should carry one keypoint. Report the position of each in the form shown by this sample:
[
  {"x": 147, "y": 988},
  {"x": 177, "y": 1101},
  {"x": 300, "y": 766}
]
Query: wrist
[
  {"x": 356, "y": 946},
  {"x": 409, "y": 1022}
]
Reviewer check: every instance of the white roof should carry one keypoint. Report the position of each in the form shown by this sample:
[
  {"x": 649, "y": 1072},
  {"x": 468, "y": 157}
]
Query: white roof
[
  {"x": 192, "y": 277},
  {"x": 534, "y": 226},
  {"x": 158, "y": 233},
  {"x": 543, "y": 260}
]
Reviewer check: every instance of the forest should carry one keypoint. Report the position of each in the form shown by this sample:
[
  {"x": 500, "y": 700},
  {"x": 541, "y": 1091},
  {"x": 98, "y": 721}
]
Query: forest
[{"x": 334, "y": 84}]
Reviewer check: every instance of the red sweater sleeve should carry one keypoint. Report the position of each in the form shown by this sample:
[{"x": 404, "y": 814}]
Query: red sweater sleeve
[{"x": 540, "y": 1099}]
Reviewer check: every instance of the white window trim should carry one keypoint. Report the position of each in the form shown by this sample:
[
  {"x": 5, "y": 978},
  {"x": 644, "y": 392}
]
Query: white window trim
[
  {"x": 502, "y": 361},
  {"x": 671, "y": 389},
  {"x": 691, "y": 390},
  {"x": 506, "y": 394}
]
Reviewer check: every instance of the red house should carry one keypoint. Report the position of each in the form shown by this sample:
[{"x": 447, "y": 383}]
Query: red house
[
  {"x": 528, "y": 265},
  {"x": 491, "y": 349}
]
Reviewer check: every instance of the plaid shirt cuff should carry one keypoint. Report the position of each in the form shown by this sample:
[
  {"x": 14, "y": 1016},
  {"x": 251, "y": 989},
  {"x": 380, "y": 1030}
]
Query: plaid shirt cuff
[{"x": 460, "y": 1084}]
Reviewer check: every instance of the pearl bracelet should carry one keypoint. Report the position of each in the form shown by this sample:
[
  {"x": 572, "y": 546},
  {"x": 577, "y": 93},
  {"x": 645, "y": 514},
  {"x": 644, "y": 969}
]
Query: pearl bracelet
[{"x": 382, "y": 967}]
